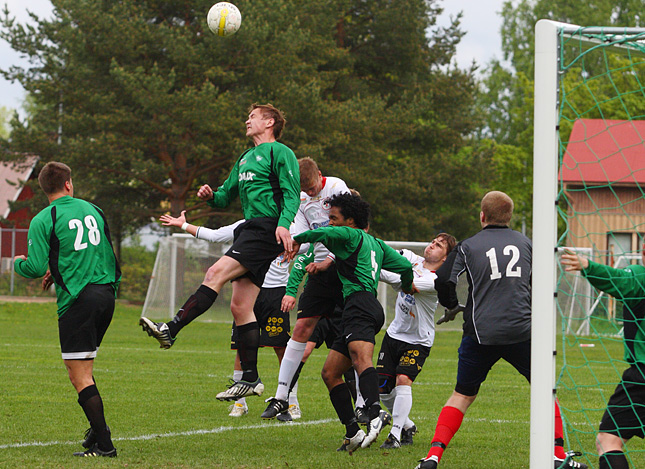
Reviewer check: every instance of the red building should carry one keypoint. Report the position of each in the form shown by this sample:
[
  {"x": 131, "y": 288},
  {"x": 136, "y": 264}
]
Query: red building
[
  {"x": 12, "y": 176},
  {"x": 603, "y": 173}
]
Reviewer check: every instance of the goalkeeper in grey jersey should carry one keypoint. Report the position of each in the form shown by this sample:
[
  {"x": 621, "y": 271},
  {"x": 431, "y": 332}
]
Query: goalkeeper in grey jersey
[
  {"x": 497, "y": 261},
  {"x": 359, "y": 259}
]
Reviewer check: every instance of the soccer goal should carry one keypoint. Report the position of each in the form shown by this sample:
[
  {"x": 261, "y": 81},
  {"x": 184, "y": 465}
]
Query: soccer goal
[
  {"x": 589, "y": 170},
  {"x": 182, "y": 261}
]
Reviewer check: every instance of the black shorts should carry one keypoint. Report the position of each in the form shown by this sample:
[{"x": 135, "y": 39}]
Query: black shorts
[
  {"x": 323, "y": 292},
  {"x": 274, "y": 323},
  {"x": 625, "y": 411},
  {"x": 476, "y": 360},
  {"x": 400, "y": 358},
  {"x": 326, "y": 331},
  {"x": 363, "y": 318},
  {"x": 82, "y": 327},
  {"x": 255, "y": 247}
]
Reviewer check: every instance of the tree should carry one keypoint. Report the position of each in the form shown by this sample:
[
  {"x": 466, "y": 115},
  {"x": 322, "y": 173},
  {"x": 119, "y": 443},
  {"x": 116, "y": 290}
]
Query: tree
[
  {"x": 507, "y": 92},
  {"x": 139, "y": 95}
]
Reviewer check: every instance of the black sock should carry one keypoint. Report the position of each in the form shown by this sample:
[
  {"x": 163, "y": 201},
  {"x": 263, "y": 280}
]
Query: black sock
[
  {"x": 90, "y": 401},
  {"x": 341, "y": 399},
  {"x": 248, "y": 342},
  {"x": 350, "y": 379},
  {"x": 613, "y": 460},
  {"x": 368, "y": 384},
  {"x": 294, "y": 380},
  {"x": 195, "y": 306}
]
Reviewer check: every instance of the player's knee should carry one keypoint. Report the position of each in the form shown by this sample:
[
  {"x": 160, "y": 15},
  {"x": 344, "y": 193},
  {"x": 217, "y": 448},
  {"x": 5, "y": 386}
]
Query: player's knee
[
  {"x": 386, "y": 384},
  {"x": 468, "y": 390}
]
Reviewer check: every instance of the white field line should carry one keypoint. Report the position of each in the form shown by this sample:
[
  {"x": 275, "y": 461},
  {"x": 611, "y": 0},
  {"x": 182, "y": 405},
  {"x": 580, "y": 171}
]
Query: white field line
[{"x": 172, "y": 434}]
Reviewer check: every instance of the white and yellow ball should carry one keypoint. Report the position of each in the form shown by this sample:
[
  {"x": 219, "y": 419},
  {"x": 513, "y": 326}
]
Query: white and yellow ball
[{"x": 224, "y": 19}]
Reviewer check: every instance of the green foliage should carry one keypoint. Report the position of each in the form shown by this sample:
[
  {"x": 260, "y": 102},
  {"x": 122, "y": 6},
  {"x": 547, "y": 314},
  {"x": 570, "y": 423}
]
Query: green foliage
[
  {"x": 151, "y": 103},
  {"x": 136, "y": 268}
]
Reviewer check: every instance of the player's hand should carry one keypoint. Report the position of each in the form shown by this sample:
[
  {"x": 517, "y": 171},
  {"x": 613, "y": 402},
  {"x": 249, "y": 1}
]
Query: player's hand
[
  {"x": 574, "y": 262},
  {"x": 48, "y": 280},
  {"x": 282, "y": 236},
  {"x": 316, "y": 267},
  {"x": 449, "y": 314},
  {"x": 288, "y": 302},
  {"x": 168, "y": 220},
  {"x": 21, "y": 256},
  {"x": 412, "y": 291},
  {"x": 205, "y": 192}
]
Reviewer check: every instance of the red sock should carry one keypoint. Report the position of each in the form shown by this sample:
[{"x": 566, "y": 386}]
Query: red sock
[
  {"x": 449, "y": 422},
  {"x": 559, "y": 434}
]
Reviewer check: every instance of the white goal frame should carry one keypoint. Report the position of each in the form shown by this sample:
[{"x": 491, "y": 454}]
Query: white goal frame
[{"x": 545, "y": 183}]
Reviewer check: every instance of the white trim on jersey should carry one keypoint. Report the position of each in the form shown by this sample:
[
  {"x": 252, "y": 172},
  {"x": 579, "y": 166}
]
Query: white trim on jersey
[
  {"x": 414, "y": 314},
  {"x": 278, "y": 273},
  {"x": 314, "y": 213}
]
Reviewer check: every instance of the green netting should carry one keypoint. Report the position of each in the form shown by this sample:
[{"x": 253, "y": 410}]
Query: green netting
[{"x": 601, "y": 207}]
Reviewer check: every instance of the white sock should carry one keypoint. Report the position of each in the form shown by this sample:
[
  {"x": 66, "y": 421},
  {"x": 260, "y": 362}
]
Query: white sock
[
  {"x": 401, "y": 410},
  {"x": 293, "y": 395},
  {"x": 408, "y": 424},
  {"x": 360, "y": 402},
  {"x": 388, "y": 400},
  {"x": 290, "y": 363},
  {"x": 237, "y": 375}
]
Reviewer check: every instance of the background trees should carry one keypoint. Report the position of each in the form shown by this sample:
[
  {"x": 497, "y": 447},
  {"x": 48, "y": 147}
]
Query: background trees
[{"x": 146, "y": 104}]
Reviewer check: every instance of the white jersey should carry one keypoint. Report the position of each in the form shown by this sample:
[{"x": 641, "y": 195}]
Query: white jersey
[
  {"x": 278, "y": 273},
  {"x": 314, "y": 212},
  {"x": 414, "y": 315}
]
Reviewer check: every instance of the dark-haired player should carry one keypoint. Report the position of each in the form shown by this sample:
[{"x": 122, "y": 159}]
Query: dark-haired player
[
  {"x": 72, "y": 238},
  {"x": 359, "y": 259},
  {"x": 409, "y": 338},
  {"x": 267, "y": 180}
]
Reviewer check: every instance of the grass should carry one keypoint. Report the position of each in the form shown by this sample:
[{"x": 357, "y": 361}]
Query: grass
[{"x": 162, "y": 409}]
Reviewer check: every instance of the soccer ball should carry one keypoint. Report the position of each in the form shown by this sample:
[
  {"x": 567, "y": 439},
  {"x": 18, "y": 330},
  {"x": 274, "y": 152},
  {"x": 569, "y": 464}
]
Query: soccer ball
[{"x": 224, "y": 19}]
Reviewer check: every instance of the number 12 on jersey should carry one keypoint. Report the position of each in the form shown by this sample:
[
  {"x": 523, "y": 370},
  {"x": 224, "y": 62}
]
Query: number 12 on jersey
[{"x": 511, "y": 269}]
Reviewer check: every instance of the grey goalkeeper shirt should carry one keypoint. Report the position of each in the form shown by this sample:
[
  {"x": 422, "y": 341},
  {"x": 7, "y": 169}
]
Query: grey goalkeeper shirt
[{"x": 497, "y": 262}]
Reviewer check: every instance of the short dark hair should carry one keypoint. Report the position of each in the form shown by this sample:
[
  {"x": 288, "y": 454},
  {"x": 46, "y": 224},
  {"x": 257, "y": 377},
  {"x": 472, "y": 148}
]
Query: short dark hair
[
  {"x": 53, "y": 176},
  {"x": 352, "y": 206},
  {"x": 271, "y": 112},
  {"x": 449, "y": 239}
]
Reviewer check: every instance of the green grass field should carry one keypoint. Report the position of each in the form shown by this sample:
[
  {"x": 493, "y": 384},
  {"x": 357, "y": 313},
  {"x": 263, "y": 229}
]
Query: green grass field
[{"x": 161, "y": 406}]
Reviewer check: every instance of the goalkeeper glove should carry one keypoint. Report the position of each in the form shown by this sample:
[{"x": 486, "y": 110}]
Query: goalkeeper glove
[{"x": 449, "y": 314}]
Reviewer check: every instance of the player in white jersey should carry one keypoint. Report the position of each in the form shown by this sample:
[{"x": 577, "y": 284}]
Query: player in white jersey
[
  {"x": 323, "y": 291},
  {"x": 274, "y": 323},
  {"x": 408, "y": 339}
]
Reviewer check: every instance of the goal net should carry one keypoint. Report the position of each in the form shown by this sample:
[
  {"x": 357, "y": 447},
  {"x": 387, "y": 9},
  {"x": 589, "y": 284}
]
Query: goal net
[{"x": 589, "y": 174}]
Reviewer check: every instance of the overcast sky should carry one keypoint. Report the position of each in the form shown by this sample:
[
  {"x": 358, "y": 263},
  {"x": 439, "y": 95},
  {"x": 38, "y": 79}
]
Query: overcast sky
[{"x": 481, "y": 21}]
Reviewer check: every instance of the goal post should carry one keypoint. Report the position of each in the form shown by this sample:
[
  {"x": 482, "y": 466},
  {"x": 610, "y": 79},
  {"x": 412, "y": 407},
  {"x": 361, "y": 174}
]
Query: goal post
[{"x": 552, "y": 111}]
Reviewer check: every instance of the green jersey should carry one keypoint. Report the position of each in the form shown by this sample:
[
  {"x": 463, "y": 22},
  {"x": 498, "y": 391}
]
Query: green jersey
[
  {"x": 71, "y": 238},
  {"x": 298, "y": 271},
  {"x": 359, "y": 257},
  {"x": 267, "y": 180},
  {"x": 628, "y": 286}
]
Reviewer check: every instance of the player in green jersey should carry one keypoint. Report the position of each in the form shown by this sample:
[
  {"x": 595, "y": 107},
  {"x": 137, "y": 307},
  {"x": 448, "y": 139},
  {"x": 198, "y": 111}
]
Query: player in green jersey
[
  {"x": 625, "y": 412},
  {"x": 71, "y": 237},
  {"x": 359, "y": 259},
  {"x": 266, "y": 178}
]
